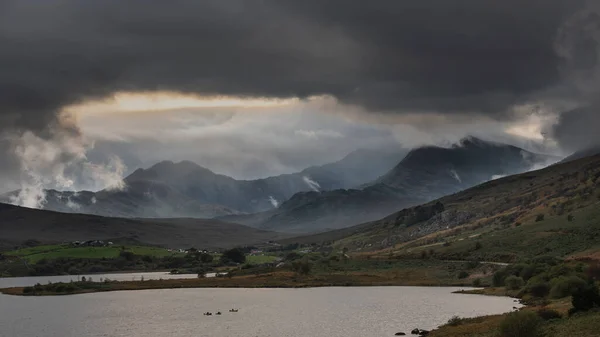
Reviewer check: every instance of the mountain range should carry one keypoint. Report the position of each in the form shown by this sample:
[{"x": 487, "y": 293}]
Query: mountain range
[
  {"x": 560, "y": 191},
  {"x": 186, "y": 189},
  {"x": 425, "y": 174},
  {"x": 363, "y": 186}
]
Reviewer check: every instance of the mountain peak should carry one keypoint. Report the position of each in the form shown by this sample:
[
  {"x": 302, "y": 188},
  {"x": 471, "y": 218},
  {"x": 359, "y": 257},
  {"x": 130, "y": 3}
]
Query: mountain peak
[
  {"x": 168, "y": 169},
  {"x": 171, "y": 164},
  {"x": 474, "y": 142}
]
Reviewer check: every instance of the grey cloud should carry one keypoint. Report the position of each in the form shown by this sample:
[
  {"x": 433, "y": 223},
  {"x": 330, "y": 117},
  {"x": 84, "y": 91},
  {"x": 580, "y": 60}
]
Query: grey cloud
[
  {"x": 432, "y": 55},
  {"x": 578, "y": 129},
  {"x": 249, "y": 145},
  {"x": 466, "y": 56},
  {"x": 579, "y": 44}
]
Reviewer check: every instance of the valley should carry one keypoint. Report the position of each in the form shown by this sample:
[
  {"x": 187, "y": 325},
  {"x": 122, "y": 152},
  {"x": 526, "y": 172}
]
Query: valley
[{"x": 539, "y": 229}]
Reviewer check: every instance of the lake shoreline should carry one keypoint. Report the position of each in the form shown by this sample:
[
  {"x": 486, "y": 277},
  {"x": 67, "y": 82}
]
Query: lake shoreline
[
  {"x": 282, "y": 280},
  {"x": 269, "y": 280}
]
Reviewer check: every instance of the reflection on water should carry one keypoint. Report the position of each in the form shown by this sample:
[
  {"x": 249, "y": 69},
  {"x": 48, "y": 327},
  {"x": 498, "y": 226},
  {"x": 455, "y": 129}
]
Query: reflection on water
[
  {"x": 315, "y": 312},
  {"x": 30, "y": 281}
]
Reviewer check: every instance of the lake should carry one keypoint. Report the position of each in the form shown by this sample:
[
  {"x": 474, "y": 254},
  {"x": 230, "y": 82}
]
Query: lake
[
  {"x": 314, "y": 312},
  {"x": 8, "y": 282}
]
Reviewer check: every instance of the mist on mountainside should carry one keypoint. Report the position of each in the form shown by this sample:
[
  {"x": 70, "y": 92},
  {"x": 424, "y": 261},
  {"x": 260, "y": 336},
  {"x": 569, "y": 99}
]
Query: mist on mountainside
[{"x": 424, "y": 174}]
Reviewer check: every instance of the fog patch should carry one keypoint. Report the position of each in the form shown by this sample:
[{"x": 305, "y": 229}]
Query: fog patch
[
  {"x": 455, "y": 175},
  {"x": 273, "y": 201},
  {"x": 312, "y": 184}
]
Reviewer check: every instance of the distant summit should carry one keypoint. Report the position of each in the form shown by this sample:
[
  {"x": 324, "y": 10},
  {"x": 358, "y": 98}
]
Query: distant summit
[{"x": 433, "y": 171}]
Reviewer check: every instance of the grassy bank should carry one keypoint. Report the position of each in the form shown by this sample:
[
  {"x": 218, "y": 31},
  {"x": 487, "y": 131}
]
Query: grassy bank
[
  {"x": 67, "y": 259},
  {"x": 282, "y": 279},
  {"x": 50, "y": 252},
  {"x": 585, "y": 324},
  {"x": 340, "y": 273}
]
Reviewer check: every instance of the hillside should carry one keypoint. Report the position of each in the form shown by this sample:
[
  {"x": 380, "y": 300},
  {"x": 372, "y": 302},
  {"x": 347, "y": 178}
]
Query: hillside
[
  {"x": 431, "y": 172},
  {"x": 323, "y": 211},
  {"x": 186, "y": 189},
  {"x": 550, "y": 212},
  {"x": 424, "y": 174},
  {"x": 18, "y": 224}
]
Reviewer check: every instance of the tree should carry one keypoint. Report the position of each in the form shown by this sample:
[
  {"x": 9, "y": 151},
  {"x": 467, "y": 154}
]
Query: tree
[
  {"x": 478, "y": 245},
  {"x": 539, "y": 217},
  {"x": 302, "y": 267},
  {"x": 291, "y": 256},
  {"x": 539, "y": 289},
  {"x": 235, "y": 255},
  {"x": 514, "y": 282},
  {"x": 564, "y": 286},
  {"x": 206, "y": 258},
  {"x": 499, "y": 277},
  {"x": 129, "y": 256},
  {"x": 586, "y": 298}
]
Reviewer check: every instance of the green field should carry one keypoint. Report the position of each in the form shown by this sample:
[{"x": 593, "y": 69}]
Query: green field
[
  {"x": 260, "y": 259},
  {"x": 34, "y": 254},
  {"x": 50, "y": 252}
]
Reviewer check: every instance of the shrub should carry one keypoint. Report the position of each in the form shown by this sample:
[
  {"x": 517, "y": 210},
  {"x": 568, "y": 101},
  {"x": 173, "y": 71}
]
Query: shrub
[
  {"x": 235, "y": 255},
  {"x": 27, "y": 290},
  {"x": 521, "y": 324},
  {"x": 294, "y": 256},
  {"x": 206, "y": 258},
  {"x": 477, "y": 283},
  {"x": 538, "y": 289},
  {"x": 455, "y": 321},
  {"x": 532, "y": 270},
  {"x": 566, "y": 286},
  {"x": 463, "y": 274},
  {"x": 585, "y": 299},
  {"x": 302, "y": 267},
  {"x": 548, "y": 314},
  {"x": 478, "y": 245},
  {"x": 514, "y": 282},
  {"x": 498, "y": 278},
  {"x": 539, "y": 217},
  {"x": 129, "y": 256}
]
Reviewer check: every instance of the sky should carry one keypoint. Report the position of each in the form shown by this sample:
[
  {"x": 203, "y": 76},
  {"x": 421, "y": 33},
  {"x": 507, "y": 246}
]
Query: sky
[{"x": 91, "y": 90}]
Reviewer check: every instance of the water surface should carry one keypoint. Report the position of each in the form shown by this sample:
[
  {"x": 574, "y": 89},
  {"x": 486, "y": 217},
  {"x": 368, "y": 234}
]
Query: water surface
[{"x": 313, "y": 312}]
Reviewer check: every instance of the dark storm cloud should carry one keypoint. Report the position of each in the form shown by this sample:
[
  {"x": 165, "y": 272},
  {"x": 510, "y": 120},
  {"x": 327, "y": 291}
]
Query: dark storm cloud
[
  {"x": 579, "y": 44},
  {"x": 440, "y": 56},
  {"x": 467, "y": 55},
  {"x": 579, "y": 129}
]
